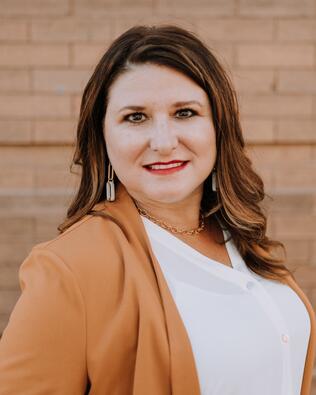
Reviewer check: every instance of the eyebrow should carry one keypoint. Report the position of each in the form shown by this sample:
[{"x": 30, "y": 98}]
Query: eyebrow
[{"x": 176, "y": 104}]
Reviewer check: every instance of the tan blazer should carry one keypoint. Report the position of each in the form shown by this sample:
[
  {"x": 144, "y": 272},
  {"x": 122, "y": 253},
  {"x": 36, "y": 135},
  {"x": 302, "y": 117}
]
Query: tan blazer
[{"x": 96, "y": 316}]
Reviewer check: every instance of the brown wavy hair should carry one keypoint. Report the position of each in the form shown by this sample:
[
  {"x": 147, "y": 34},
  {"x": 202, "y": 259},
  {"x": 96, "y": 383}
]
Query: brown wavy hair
[{"x": 240, "y": 190}]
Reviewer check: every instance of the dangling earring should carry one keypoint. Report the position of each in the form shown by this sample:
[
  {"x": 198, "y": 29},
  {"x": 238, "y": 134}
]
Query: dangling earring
[
  {"x": 214, "y": 183},
  {"x": 110, "y": 187}
]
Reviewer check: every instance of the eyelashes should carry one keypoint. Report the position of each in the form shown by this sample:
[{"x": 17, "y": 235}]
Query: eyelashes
[{"x": 139, "y": 114}]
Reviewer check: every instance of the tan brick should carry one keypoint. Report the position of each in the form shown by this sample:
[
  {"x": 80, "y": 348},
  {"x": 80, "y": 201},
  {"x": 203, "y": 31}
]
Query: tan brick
[
  {"x": 27, "y": 167},
  {"x": 277, "y": 8},
  {"x": 101, "y": 31},
  {"x": 12, "y": 238},
  {"x": 46, "y": 228},
  {"x": 88, "y": 54},
  {"x": 60, "y": 30},
  {"x": 19, "y": 228},
  {"x": 258, "y": 130},
  {"x": 124, "y": 22},
  {"x": 103, "y": 5},
  {"x": 14, "y": 81},
  {"x": 8, "y": 299},
  {"x": 143, "y": 9},
  {"x": 4, "y": 318},
  {"x": 60, "y": 81},
  {"x": 35, "y": 157},
  {"x": 9, "y": 278},
  {"x": 9, "y": 265},
  {"x": 253, "y": 81},
  {"x": 313, "y": 387},
  {"x": 305, "y": 277},
  {"x": 297, "y": 82},
  {"x": 55, "y": 178},
  {"x": 198, "y": 8},
  {"x": 299, "y": 202},
  {"x": 14, "y": 178},
  {"x": 313, "y": 248},
  {"x": 37, "y": 106},
  {"x": 263, "y": 172},
  {"x": 277, "y": 106},
  {"x": 296, "y": 131},
  {"x": 71, "y": 29},
  {"x": 296, "y": 30},
  {"x": 53, "y": 132},
  {"x": 34, "y": 55},
  {"x": 290, "y": 169},
  {"x": 13, "y": 254},
  {"x": 36, "y": 203},
  {"x": 234, "y": 29},
  {"x": 13, "y": 30},
  {"x": 291, "y": 175},
  {"x": 295, "y": 226},
  {"x": 224, "y": 52},
  {"x": 34, "y": 7},
  {"x": 269, "y": 55},
  {"x": 120, "y": 24},
  {"x": 15, "y": 132},
  {"x": 111, "y": 8},
  {"x": 276, "y": 154},
  {"x": 298, "y": 251}
]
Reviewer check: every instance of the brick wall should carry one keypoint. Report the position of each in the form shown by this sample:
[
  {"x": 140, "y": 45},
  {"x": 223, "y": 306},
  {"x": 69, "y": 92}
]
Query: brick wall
[{"x": 48, "y": 50}]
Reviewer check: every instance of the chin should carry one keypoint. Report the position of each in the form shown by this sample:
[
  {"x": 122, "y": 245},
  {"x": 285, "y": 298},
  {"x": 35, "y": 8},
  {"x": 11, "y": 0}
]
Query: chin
[{"x": 169, "y": 195}]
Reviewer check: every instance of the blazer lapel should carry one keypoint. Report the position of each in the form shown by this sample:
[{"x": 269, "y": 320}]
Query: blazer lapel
[{"x": 184, "y": 378}]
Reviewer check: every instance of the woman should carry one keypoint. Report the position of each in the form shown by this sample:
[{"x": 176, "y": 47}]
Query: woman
[{"x": 163, "y": 280}]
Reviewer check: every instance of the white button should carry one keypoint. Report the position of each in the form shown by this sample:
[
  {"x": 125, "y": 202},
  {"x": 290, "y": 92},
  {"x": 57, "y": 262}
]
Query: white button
[
  {"x": 285, "y": 338},
  {"x": 250, "y": 285}
]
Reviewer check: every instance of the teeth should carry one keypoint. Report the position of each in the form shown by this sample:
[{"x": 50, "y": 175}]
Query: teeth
[{"x": 169, "y": 166}]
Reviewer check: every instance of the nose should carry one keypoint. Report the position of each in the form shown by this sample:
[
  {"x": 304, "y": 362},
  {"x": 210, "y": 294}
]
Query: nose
[{"x": 163, "y": 139}]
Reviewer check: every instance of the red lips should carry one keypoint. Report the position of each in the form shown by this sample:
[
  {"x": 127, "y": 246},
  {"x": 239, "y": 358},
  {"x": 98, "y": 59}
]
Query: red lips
[
  {"x": 166, "y": 163},
  {"x": 164, "y": 170}
]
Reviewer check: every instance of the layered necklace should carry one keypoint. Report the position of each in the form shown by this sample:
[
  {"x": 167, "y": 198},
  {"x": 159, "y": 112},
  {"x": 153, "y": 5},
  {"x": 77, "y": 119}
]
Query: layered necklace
[{"x": 172, "y": 228}]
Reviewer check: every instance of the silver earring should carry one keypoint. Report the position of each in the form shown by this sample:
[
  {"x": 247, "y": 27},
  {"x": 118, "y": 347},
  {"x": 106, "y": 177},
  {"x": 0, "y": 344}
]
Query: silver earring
[
  {"x": 214, "y": 183},
  {"x": 110, "y": 187}
]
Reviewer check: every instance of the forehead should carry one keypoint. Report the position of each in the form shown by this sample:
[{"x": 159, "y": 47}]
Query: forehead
[{"x": 149, "y": 82}]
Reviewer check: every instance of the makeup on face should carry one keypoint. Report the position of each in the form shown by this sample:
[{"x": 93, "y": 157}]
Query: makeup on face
[
  {"x": 159, "y": 134},
  {"x": 163, "y": 168}
]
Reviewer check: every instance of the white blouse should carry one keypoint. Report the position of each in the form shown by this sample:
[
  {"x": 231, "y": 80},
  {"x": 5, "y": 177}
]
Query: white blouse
[{"x": 249, "y": 335}]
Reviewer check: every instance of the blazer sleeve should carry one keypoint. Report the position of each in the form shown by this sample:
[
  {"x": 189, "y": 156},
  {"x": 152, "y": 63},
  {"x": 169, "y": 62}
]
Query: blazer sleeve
[{"x": 43, "y": 347}]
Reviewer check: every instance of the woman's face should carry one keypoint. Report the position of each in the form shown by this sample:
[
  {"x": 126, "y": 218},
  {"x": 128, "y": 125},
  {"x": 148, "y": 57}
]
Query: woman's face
[{"x": 157, "y": 114}]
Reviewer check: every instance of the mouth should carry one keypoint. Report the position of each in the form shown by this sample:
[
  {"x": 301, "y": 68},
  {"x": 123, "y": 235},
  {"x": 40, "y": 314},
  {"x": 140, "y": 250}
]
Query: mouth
[{"x": 166, "y": 168}]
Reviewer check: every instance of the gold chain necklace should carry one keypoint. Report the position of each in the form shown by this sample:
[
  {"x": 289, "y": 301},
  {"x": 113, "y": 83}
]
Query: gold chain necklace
[{"x": 172, "y": 228}]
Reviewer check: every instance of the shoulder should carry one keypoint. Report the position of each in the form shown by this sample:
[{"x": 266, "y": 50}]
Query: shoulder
[
  {"x": 84, "y": 235},
  {"x": 90, "y": 248}
]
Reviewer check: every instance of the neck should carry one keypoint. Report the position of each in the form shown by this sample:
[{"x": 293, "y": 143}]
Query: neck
[{"x": 184, "y": 214}]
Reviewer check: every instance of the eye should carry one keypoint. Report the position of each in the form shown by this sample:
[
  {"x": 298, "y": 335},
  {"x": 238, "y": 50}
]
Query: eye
[
  {"x": 186, "y": 113},
  {"x": 136, "y": 117}
]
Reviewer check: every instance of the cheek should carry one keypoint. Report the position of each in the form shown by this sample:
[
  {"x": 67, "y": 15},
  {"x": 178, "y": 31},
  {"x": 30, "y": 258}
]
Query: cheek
[
  {"x": 204, "y": 142},
  {"x": 123, "y": 150}
]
